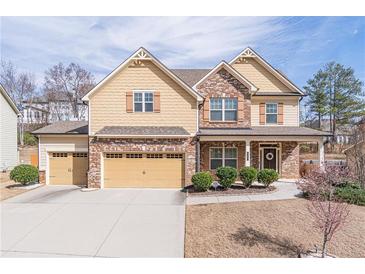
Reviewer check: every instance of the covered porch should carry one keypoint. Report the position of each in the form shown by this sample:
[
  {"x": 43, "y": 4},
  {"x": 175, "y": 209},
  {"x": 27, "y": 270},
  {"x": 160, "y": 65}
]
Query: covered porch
[{"x": 269, "y": 149}]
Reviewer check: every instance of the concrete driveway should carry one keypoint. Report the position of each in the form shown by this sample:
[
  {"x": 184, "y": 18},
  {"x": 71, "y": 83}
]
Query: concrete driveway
[{"x": 64, "y": 221}]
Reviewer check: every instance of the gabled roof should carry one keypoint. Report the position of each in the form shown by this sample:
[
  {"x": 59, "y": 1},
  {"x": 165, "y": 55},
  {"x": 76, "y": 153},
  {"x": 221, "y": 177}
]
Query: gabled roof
[
  {"x": 64, "y": 128},
  {"x": 190, "y": 76},
  {"x": 250, "y": 53},
  {"x": 9, "y": 100},
  {"x": 142, "y": 54},
  {"x": 233, "y": 72}
]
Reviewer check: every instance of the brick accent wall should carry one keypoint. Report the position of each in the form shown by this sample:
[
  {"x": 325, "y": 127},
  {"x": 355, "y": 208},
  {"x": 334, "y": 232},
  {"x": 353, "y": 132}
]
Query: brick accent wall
[
  {"x": 204, "y": 153},
  {"x": 99, "y": 146},
  {"x": 42, "y": 176},
  {"x": 255, "y": 155},
  {"x": 223, "y": 84},
  {"x": 290, "y": 160}
]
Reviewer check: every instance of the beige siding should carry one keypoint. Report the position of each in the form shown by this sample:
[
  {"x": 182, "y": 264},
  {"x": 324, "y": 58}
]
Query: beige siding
[
  {"x": 259, "y": 76},
  {"x": 291, "y": 109},
  {"x": 108, "y": 104},
  {"x": 60, "y": 144}
]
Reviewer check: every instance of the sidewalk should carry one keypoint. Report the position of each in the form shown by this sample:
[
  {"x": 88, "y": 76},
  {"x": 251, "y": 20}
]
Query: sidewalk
[{"x": 285, "y": 190}]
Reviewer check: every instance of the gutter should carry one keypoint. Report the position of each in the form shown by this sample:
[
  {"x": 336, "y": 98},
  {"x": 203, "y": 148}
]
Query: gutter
[{"x": 139, "y": 136}]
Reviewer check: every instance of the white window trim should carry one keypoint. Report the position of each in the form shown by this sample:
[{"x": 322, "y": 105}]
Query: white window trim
[
  {"x": 223, "y": 156},
  {"x": 277, "y": 112},
  {"x": 223, "y": 109},
  {"x": 143, "y": 100}
]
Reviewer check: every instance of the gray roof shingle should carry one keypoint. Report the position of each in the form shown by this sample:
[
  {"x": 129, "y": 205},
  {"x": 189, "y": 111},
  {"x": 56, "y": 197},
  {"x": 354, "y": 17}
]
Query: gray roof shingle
[
  {"x": 143, "y": 130},
  {"x": 273, "y": 93},
  {"x": 262, "y": 131},
  {"x": 190, "y": 76},
  {"x": 65, "y": 127}
]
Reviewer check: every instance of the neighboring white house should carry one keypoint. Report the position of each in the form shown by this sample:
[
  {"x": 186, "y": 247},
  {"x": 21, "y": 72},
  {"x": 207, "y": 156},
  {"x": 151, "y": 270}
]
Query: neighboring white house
[
  {"x": 40, "y": 110},
  {"x": 8, "y": 131}
]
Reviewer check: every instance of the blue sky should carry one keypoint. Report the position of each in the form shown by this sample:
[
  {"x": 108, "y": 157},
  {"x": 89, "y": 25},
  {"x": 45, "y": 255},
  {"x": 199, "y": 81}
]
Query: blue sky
[{"x": 298, "y": 46}]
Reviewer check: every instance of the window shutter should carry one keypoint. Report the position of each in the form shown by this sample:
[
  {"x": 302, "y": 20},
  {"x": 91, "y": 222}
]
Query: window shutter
[
  {"x": 206, "y": 110},
  {"x": 280, "y": 113},
  {"x": 129, "y": 101},
  {"x": 240, "y": 109},
  {"x": 262, "y": 113},
  {"x": 156, "y": 101}
]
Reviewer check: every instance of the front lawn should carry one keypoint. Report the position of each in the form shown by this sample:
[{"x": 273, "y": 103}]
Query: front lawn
[{"x": 265, "y": 229}]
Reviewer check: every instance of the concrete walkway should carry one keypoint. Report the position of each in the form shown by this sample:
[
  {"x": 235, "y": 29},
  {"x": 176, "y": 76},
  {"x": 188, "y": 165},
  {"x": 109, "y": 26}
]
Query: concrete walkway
[
  {"x": 285, "y": 190},
  {"x": 64, "y": 221}
]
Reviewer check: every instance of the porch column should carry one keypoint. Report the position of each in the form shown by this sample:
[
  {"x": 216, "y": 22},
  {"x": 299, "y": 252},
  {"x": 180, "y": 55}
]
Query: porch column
[
  {"x": 197, "y": 166},
  {"x": 321, "y": 152},
  {"x": 248, "y": 153}
]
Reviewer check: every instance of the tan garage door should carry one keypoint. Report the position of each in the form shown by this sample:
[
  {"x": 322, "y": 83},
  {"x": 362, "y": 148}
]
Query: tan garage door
[
  {"x": 67, "y": 168},
  {"x": 143, "y": 170}
]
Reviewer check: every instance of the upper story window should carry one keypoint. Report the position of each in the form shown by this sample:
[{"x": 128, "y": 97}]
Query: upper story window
[
  {"x": 271, "y": 113},
  {"x": 143, "y": 101},
  {"x": 223, "y": 109}
]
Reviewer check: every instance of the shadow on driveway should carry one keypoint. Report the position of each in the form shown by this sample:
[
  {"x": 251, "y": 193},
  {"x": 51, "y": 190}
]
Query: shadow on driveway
[{"x": 44, "y": 195}]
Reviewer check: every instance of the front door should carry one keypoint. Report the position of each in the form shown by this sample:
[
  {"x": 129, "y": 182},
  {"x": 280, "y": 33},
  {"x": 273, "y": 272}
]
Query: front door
[{"x": 269, "y": 158}]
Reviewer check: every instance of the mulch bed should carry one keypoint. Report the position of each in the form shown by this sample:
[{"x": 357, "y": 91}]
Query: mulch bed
[{"x": 234, "y": 190}]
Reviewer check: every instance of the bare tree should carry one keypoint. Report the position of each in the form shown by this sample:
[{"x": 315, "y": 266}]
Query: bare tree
[
  {"x": 20, "y": 85},
  {"x": 328, "y": 212},
  {"x": 53, "y": 105},
  {"x": 71, "y": 82}
]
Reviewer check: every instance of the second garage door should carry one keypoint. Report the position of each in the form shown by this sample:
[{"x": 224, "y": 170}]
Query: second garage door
[{"x": 143, "y": 170}]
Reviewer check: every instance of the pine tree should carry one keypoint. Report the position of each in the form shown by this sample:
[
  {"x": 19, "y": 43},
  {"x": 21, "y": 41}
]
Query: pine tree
[
  {"x": 317, "y": 99},
  {"x": 335, "y": 92}
]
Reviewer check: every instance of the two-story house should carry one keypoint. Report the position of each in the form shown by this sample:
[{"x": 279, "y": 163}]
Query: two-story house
[
  {"x": 41, "y": 110},
  {"x": 8, "y": 131},
  {"x": 150, "y": 126}
]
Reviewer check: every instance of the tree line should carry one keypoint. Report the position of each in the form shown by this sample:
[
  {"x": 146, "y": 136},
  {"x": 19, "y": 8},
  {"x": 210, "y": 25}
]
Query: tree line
[
  {"x": 334, "y": 93},
  {"x": 67, "y": 82}
]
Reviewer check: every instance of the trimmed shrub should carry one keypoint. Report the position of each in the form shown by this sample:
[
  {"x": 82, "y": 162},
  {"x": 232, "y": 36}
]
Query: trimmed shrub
[
  {"x": 202, "y": 181},
  {"x": 248, "y": 175},
  {"x": 352, "y": 194},
  {"x": 227, "y": 176},
  {"x": 24, "y": 174},
  {"x": 267, "y": 176},
  {"x": 29, "y": 139}
]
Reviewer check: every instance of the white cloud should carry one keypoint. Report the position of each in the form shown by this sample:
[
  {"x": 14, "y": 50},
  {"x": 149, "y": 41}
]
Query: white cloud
[
  {"x": 101, "y": 43},
  {"x": 36, "y": 43}
]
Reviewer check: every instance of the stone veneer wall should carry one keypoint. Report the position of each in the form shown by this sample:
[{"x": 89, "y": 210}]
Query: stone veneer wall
[
  {"x": 204, "y": 152},
  {"x": 255, "y": 155},
  {"x": 290, "y": 160},
  {"x": 99, "y": 146},
  {"x": 42, "y": 176},
  {"x": 223, "y": 84}
]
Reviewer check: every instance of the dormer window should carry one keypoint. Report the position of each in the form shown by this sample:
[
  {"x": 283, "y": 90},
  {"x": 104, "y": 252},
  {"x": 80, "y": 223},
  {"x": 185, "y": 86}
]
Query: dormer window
[
  {"x": 143, "y": 101},
  {"x": 223, "y": 109}
]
